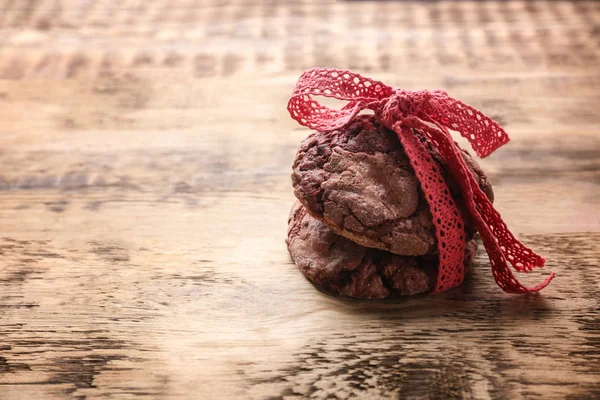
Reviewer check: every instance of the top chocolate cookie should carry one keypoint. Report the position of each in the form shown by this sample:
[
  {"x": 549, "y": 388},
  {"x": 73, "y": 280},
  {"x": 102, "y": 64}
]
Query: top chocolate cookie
[{"x": 359, "y": 182}]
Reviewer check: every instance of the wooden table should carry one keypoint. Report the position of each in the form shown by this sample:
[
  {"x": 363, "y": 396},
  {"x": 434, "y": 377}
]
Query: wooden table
[{"x": 145, "y": 154}]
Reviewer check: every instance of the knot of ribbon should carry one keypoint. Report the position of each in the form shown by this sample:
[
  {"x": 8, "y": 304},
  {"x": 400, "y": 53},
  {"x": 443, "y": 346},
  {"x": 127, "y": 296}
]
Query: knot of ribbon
[{"x": 433, "y": 113}]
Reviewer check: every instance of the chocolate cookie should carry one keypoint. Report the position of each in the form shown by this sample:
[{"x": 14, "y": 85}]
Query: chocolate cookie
[
  {"x": 359, "y": 182},
  {"x": 340, "y": 266}
]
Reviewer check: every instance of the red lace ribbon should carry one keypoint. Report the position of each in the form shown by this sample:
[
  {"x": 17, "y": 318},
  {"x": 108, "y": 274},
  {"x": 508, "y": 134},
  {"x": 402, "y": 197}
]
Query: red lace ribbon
[{"x": 432, "y": 113}]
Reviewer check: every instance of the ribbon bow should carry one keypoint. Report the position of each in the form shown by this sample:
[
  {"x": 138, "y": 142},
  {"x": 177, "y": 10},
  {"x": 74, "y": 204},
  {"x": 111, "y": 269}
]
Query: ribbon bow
[{"x": 433, "y": 113}]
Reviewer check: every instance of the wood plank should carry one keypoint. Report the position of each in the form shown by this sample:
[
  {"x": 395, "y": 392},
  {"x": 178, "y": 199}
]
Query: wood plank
[{"x": 145, "y": 154}]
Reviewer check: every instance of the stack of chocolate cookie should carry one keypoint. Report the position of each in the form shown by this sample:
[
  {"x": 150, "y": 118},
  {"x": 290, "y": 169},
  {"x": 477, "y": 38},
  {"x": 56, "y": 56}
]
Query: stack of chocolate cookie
[{"x": 362, "y": 227}]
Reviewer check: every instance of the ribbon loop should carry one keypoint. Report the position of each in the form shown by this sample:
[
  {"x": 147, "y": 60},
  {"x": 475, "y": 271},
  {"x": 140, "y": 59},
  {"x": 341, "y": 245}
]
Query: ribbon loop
[
  {"x": 484, "y": 134},
  {"x": 361, "y": 93}
]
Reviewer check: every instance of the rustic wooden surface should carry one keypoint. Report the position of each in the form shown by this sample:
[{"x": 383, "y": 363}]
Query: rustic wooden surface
[{"x": 145, "y": 154}]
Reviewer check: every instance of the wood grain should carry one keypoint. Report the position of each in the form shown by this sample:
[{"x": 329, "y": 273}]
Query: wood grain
[{"x": 144, "y": 189}]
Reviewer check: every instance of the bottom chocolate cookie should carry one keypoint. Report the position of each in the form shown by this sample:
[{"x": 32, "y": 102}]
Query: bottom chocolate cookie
[{"x": 340, "y": 266}]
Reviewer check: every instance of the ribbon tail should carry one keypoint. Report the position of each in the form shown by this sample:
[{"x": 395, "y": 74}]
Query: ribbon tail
[
  {"x": 501, "y": 245},
  {"x": 447, "y": 220}
]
